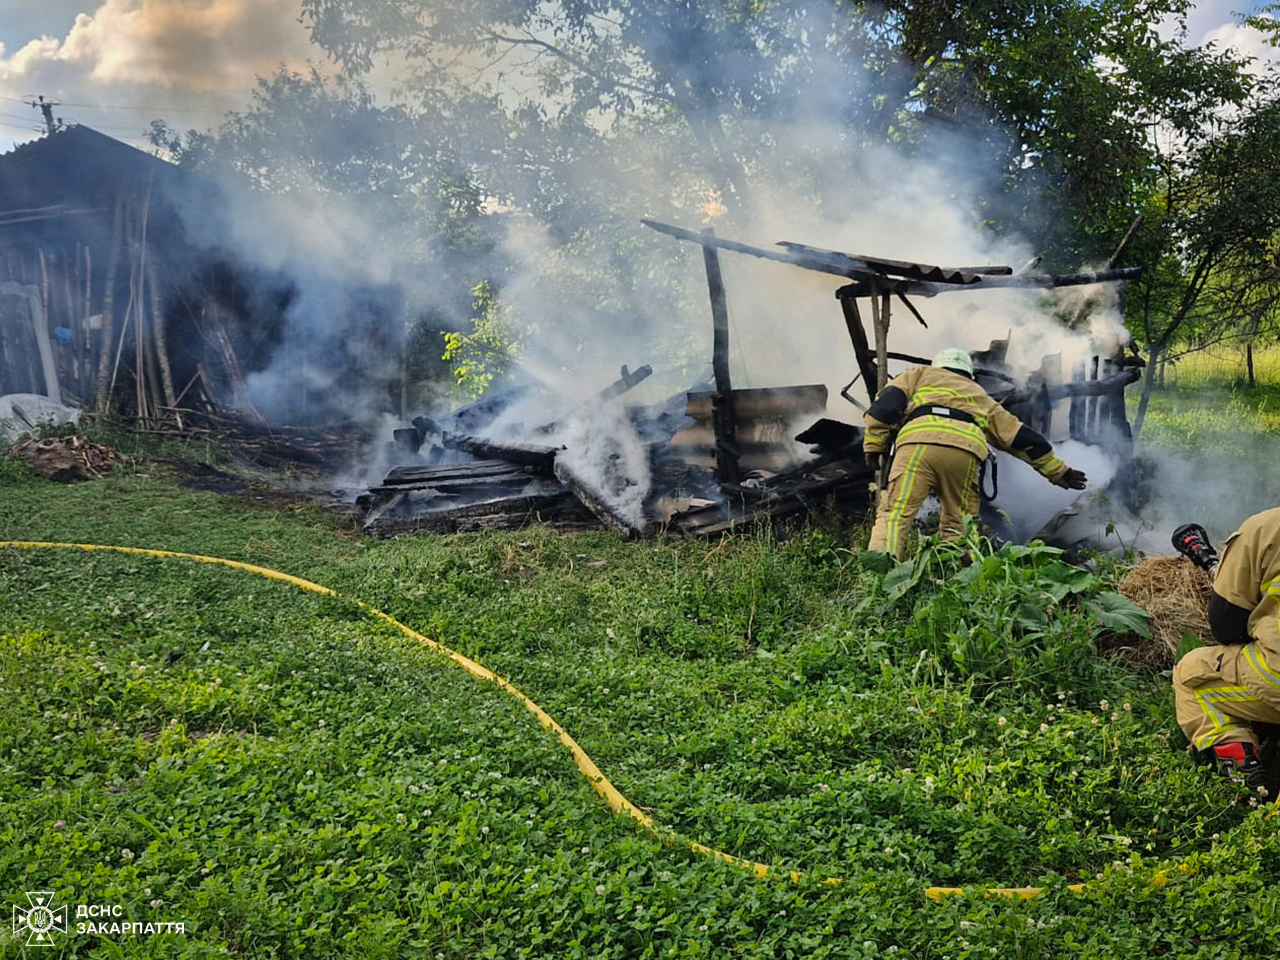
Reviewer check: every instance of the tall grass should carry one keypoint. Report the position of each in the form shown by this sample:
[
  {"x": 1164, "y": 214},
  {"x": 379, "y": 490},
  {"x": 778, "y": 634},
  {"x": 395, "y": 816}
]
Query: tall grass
[{"x": 1224, "y": 365}]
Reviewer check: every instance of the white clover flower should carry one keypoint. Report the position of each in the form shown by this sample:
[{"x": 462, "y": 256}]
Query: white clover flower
[
  {"x": 600, "y": 892},
  {"x": 126, "y": 853},
  {"x": 1001, "y": 721},
  {"x": 157, "y": 903},
  {"x": 1044, "y": 728}
]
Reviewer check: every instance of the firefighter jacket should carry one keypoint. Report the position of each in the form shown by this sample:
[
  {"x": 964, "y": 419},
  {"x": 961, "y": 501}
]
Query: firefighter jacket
[
  {"x": 936, "y": 405},
  {"x": 1249, "y": 577}
]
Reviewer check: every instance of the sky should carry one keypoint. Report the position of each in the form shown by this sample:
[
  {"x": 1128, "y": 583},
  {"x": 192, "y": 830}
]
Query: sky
[{"x": 115, "y": 65}]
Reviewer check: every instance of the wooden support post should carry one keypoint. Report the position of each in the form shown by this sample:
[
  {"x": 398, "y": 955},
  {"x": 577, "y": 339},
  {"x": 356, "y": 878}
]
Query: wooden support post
[
  {"x": 158, "y": 339},
  {"x": 723, "y": 421},
  {"x": 880, "y": 321},
  {"x": 106, "y": 375},
  {"x": 861, "y": 349}
]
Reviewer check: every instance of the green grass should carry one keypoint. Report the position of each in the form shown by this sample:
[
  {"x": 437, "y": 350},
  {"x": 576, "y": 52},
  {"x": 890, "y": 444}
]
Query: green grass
[
  {"x": 292, "y": 779},
  {"x": 1224, "y": 365}
]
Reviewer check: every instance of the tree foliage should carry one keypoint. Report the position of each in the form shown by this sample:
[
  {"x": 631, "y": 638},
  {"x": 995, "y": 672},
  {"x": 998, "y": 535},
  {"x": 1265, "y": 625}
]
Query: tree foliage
[{"x": 1211, "y": 245}]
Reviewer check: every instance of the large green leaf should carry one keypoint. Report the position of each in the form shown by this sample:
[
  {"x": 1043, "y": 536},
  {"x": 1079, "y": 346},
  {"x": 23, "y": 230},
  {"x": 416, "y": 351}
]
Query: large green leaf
[{"x": 1120, "y": 614}]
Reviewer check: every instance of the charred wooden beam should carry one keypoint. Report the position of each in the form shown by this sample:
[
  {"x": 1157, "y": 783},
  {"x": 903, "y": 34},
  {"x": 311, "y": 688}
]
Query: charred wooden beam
[
  {"x": 861, "y": 348},
  {"x": 624, "y": 383},
  {"x": 819, "y": 264},
  {"x": 539, "y": 458},
  {"x": 1076, "y": 389},
  {"x": 476, "y": 472},
  {"x": 863, "y": 288},
  {"x": 596, "y": 501},
  {"x": 722, "y": 404}
]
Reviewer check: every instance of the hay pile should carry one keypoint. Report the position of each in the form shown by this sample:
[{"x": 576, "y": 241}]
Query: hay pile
[{"x": 1176, "y": 594}]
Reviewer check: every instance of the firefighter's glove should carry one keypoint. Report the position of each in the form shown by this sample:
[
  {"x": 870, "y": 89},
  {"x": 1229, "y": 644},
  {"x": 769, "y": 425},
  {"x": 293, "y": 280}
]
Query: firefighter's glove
[
  {"x": 1072, "y": 480},
  {"x": 874, "y": 461}
]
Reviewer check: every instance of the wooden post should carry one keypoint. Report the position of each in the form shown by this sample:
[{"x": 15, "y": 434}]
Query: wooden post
[
  {"x": 86, "y": 337},
  {"x": 723, "y": 421},
  {"x": 105, "y": 373},
  {"x": 880, "y": 321},
  {"x": 861, "y": 349},
  {"x": 162, "y": 351}
]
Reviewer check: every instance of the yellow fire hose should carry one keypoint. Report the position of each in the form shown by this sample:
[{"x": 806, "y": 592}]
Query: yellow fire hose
[{"x": 599, "y": 782}]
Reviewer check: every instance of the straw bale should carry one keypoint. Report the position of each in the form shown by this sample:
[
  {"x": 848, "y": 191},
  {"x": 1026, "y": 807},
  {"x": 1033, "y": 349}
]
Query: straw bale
[{"x": 1175, "y": 592}]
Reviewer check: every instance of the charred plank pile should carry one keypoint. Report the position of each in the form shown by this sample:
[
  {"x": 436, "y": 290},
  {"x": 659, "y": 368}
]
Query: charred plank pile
[{"x": 632, "y": 469}]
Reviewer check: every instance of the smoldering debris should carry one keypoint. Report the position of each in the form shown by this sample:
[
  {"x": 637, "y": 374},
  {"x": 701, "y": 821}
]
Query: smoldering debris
[
  {"x": 631, "y": 468},
  {"x": 706, "y": 460}
]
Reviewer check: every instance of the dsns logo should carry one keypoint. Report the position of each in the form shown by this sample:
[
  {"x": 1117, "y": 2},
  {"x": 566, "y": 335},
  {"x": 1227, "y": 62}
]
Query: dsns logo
[{"x": 42, "y": 920}]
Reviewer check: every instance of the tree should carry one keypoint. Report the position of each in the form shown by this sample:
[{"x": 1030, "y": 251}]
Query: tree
[{"x": 1212, "y": 243}]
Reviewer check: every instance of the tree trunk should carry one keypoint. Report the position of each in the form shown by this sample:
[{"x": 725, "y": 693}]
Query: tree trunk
[
  {"x": 1248, "y": 360},
  {"x": 1148, "y": 384}
]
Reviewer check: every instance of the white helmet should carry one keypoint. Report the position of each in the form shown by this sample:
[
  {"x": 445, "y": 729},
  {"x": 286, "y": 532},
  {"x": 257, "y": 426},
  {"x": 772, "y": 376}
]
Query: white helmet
[{"x": 954, "y": 358}]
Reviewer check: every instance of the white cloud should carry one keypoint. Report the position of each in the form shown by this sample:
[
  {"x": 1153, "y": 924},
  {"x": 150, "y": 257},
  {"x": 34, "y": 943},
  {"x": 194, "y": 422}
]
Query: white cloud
[
  {"x": 1245, "y": 41},
  {"x": 133, "y": 58}
]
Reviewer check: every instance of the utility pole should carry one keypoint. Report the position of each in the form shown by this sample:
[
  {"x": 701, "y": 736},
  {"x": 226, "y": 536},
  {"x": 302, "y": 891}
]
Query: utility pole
[{"x": 46, "y": 108}]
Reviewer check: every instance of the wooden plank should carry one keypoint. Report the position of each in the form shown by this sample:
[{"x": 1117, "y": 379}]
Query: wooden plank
[
  {"x": 476, "y": 469},
  {"x": 508, "y": 513},
  {"x": 595, "y": 501},
  {"x": 538, "y": 457}
]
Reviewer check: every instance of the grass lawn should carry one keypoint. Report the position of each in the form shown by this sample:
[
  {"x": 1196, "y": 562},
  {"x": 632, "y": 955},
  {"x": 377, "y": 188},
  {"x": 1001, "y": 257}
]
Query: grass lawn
[{"x": 291, "y": 778}]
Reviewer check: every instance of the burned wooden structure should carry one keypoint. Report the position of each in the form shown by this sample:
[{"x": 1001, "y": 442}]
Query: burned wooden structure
[
  {"x": 719, "y": 457},
  {"x": 121, "y": 291}
]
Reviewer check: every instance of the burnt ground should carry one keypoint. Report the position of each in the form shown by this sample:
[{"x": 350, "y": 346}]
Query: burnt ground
[{"x": 268, "y": 491}]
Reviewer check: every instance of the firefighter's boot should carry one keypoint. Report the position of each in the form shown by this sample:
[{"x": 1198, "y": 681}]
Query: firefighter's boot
[{"x": 1240, "y": 763}]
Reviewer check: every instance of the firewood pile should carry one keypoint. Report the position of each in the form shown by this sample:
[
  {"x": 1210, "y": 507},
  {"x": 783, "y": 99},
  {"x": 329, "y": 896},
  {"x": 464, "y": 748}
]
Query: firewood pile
[{"x": 65, "y": 459}]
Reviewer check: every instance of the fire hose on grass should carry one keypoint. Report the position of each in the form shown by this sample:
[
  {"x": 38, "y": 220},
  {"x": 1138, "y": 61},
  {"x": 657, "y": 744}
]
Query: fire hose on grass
[{"x": 617, "y": 802}]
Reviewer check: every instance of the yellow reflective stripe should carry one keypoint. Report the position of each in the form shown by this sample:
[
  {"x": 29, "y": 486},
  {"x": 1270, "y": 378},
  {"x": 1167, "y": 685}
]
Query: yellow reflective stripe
[
  {"x": 894, "y": 523},
  {"x": 969, "y": 431},
  {"x": 1265, "y": 673},
  {"x": 971, "y": 485},
  {"x": 1052, "y": 464},
  {"x": 922, "y": 392},
  {"x": 1208, "y": 698}
]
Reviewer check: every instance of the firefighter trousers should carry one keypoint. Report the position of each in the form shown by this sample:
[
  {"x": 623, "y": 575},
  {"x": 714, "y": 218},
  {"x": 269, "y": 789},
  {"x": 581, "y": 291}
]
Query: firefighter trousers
[
  {"x": 919, "y": 469},
  {"x": 1219, "y": 689}
]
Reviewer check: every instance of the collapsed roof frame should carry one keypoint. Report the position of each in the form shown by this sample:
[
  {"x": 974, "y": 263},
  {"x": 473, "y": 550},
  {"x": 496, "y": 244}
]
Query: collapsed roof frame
[{"x": 877, "y": 279}]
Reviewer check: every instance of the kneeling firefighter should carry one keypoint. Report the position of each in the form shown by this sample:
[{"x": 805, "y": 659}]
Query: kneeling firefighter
[
  {"x": 1223, "y": 690},
  {"x": 945, "y": 425}
]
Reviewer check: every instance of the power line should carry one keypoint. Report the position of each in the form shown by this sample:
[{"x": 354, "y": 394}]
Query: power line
[
  {"x": 14, "y": 116},
  {"x": 110, "y": 106}
]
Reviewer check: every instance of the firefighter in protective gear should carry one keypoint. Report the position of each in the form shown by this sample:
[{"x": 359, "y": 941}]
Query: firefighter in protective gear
[
  {"x": 945, "y": 425},
  {"x": 1220, "y": 689}
]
